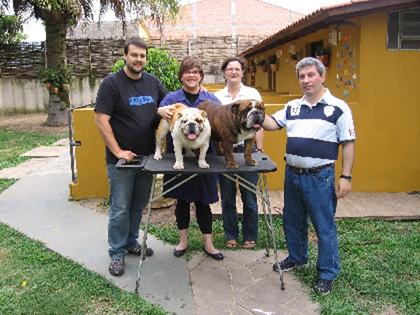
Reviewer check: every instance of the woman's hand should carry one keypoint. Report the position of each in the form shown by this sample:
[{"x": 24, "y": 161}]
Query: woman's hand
[{"x": 166, "y": 112}]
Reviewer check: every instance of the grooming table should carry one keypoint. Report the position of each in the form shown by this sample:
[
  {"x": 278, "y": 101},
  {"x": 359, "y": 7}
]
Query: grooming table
[{"x": 217, "y": 166}]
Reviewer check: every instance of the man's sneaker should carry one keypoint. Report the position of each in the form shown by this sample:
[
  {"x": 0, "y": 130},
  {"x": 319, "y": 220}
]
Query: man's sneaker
[
  {"x": 286, "y": 265},
  {"x": 137, "y": 251},
  {"x": 323, "y": 286},
  {"x": 116, "y": 267}
]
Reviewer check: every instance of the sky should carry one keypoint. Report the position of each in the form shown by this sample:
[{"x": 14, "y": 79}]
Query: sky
[{"x": 34, "y": 30}]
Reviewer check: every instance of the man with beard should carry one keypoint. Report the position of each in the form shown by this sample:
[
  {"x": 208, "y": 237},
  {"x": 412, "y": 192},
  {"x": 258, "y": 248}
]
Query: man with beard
[{"x": 126, "y": 116}]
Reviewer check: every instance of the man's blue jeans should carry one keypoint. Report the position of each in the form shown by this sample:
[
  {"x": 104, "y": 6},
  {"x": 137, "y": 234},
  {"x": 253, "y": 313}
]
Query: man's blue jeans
[
  {"x": 229, "y": 212},
  {"x": 129, "y": 194},
  {"x": 312, "y": 195}
]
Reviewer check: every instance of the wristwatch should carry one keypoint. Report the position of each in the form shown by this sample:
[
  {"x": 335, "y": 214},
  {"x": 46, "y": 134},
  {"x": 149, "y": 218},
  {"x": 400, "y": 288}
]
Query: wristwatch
[{"x": 348, "y": 177}]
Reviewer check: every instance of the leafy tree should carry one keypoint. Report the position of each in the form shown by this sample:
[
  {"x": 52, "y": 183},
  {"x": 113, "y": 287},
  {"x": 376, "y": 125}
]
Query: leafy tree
[
  {"x": 11, "y": 29},
  {"x": 161, "y": 64},
  {"x": 59, "y": 15}
]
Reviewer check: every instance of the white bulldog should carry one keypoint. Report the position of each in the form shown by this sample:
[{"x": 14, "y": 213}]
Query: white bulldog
[{"x": 190, "y": 129}]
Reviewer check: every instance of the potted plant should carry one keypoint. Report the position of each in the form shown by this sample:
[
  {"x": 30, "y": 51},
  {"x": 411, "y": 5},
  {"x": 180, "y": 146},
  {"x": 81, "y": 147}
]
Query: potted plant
[
  {"x": 323, "y": 54},
  {"x": 263, "y": 64},
  {"x": 57, "y": 79},
  {"x": 272, "y": 61},
  {"x": 295, "y": 57}
]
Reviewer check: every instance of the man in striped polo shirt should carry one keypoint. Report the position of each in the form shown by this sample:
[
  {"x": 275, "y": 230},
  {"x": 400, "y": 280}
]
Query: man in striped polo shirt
[{"x": 316, "y": 125}]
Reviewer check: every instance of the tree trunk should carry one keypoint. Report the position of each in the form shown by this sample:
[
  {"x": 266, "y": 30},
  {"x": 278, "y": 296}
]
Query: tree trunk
[{"x": 56, "y": 29}]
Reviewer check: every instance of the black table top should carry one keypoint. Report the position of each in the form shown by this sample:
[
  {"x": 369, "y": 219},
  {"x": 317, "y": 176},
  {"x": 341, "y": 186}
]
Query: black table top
[{"x": 216, "y": 162}]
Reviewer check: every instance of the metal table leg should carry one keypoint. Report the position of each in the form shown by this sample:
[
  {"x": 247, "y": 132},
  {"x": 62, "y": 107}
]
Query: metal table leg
[
  {"x": 149, "y": 210},
  {"x": 143, "y": 245},
  {"x": 265, "y": 201}
]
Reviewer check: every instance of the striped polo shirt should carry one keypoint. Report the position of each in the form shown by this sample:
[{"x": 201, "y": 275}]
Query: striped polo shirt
[{"x": 314, "y": 133}]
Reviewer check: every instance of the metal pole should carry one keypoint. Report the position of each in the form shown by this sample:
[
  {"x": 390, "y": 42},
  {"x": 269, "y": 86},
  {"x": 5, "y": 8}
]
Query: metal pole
[{"x": 146, "y": 228}]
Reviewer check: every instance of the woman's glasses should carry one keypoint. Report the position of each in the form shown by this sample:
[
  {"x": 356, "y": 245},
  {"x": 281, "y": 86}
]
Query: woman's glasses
[{"x": 230, "y": 70}]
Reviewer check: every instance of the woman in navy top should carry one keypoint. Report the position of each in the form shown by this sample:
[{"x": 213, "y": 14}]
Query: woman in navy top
[{"x": 202, "y": 189}]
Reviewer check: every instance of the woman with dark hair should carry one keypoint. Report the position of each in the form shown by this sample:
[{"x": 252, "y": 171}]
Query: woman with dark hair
[{"x": 202, "y": 189}]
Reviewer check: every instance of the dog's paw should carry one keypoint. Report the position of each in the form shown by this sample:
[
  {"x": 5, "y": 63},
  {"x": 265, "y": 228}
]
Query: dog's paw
[
  {"x": 157, "y": 156},
  {"x": 232, "y": 165},
  {"x": 251, "y": 162},
  {"x": 203, "y": 164},
  {"x": 178, "y": 166}
]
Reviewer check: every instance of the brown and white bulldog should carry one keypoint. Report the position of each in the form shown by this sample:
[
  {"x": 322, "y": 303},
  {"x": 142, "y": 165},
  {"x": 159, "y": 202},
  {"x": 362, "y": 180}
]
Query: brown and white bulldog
[
  {"x": 234, "y": 123},
  {"x": 190, "y": 129}
]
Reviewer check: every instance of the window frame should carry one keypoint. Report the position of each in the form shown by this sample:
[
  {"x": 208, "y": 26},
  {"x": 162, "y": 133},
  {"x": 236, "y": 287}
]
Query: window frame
[{"x": 399, "y": 35}]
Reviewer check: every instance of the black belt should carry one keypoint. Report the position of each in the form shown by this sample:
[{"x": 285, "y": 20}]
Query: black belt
[{"x": 300, "y": 171}]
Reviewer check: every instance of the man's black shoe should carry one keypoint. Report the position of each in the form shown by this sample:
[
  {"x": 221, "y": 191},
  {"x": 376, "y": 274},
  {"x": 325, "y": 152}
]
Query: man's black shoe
[
  {"x": 137, "y": 251},
  {"x": 116, "y": 267},
  {"x": 286, "y": 265},
  {"x": 323, "y": 286}
]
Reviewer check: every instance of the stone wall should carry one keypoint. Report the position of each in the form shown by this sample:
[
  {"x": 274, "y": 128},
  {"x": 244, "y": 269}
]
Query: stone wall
[{"x": 92, "y": 60}]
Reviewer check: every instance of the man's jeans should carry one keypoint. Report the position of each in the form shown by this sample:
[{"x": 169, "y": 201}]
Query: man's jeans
[
  {"x": 312, "y": 195},
  {"x": 129, "y": 194},
  {"x": 229, "y": 212}
]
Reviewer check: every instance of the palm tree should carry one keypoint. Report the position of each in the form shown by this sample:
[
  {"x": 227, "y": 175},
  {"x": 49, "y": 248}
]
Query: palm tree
[{"x": 59, "y": 15}]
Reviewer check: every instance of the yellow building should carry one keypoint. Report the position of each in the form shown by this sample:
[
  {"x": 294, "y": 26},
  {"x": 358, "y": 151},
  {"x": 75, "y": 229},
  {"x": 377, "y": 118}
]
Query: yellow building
[{"x": 374, "y": 65}]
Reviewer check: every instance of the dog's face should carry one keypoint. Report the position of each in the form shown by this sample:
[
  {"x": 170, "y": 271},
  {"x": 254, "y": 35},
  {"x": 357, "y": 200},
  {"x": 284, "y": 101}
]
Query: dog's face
[
  {"x": 191, "y": 122},
  {"x": 250, "y": 114}
]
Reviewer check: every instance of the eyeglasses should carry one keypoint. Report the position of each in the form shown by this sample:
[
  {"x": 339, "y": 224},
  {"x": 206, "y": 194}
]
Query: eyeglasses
[
  {"x": 193, "y": 72},
  {"x": 230, "y": 70}
]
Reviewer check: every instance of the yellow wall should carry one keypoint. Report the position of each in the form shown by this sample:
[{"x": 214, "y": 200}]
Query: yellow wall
[
  {"x": 92, "y": 180},
  {"x": 388, "y": 117},
  {"x": 275, "y": 147},
  {"x": 384, "y": 103}
]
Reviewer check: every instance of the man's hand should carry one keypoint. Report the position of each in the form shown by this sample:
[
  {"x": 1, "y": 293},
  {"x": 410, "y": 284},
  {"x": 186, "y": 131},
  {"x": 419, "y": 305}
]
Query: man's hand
[
  {"x": 343, "y": 188},
  {"x": 127, "y": 155}
]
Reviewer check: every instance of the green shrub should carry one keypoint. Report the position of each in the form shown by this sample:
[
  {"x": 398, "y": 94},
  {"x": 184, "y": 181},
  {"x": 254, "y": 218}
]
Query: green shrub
[{"x": 160, "y": 64}]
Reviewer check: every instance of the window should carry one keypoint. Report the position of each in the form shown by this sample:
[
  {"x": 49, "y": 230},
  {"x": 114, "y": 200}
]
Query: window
[{"x": 404, "y": 30}]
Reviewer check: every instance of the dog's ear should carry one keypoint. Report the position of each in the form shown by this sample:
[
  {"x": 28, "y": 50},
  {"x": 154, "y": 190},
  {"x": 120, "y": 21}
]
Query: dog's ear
[
  {"x": 203, "y": 113},
  {"x": 235, "y": 107},
  {"x": 179, "y": 116}
]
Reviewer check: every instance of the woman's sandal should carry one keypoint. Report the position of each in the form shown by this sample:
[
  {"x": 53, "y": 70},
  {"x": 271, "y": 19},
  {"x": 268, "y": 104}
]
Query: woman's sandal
[
  {"x": 250, "y": 244},
  {"x": 231, "y": 244}
]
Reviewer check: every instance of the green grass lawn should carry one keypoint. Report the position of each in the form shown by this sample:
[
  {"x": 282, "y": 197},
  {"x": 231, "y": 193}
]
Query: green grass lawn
[
  {"x": 380, "y": 264},
  {"x": 35, "y": 280},
  {"x": 14, "y": 143}
]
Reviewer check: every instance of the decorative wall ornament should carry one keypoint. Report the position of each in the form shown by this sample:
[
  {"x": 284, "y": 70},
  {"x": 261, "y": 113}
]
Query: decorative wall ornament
[{"x": 346, "y": 67}]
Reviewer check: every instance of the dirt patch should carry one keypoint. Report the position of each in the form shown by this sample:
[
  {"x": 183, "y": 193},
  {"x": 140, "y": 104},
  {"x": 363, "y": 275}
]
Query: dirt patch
[
  {"x": 31, "y": 123},
  {"x": 161, "y": 216}
]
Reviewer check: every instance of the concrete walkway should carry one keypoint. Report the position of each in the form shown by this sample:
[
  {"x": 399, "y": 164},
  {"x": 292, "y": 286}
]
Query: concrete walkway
[{"x": 243, "y": 283}]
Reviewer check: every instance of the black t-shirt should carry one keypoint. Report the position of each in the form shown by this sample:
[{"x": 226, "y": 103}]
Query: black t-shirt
[{"x": 132, "y": 105}]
